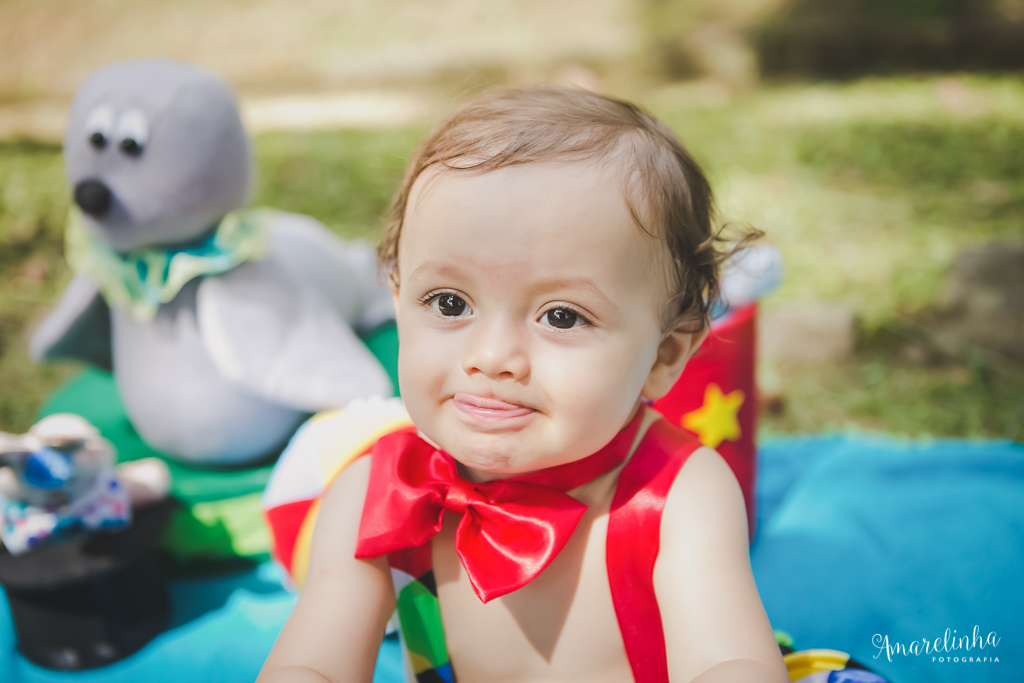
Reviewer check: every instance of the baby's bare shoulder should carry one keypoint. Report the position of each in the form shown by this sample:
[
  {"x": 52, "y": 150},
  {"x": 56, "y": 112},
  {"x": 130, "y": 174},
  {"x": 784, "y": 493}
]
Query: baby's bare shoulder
[
  {"x": 704, "y": 524},
  {"x": 703, "y": 581},
  {"x": 705, "y": 497},
  {"x": 337, "y": 523}
]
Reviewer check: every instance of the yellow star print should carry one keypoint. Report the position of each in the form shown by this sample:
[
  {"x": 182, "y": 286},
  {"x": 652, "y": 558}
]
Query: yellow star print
[{"x": 715, "y": 421}]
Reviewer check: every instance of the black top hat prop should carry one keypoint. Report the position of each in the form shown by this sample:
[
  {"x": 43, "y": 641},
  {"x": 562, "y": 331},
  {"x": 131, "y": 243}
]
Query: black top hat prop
[{"x": 85, "y": 603}]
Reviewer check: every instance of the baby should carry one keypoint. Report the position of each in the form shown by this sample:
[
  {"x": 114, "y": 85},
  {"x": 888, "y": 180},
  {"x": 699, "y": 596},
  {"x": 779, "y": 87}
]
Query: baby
[{"x": 552, "y": 262}]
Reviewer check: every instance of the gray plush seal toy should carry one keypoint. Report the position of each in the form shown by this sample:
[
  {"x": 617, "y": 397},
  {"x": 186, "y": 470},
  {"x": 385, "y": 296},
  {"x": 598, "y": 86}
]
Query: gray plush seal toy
[{"x": 222, "y": 327}]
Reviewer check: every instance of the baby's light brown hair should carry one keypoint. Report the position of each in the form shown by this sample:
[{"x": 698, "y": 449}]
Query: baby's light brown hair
[{"x": 664, "y": 188}]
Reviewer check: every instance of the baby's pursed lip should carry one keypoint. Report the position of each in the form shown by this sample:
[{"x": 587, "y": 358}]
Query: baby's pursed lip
[{"x": 488, "y": 407}]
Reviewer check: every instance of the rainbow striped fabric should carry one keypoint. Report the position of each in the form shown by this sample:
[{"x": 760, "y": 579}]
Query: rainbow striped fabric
[{"x": 419, "y": 616}]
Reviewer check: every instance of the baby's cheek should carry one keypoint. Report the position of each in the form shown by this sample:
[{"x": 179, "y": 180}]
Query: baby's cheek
[
  {"x": 594, "y": 397},
  {"x": 421, "y": 371}
]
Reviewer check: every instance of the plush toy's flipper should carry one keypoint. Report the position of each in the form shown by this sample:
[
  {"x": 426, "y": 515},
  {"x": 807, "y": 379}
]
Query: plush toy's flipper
[
  {"x": 78, "y": 329},
  {"x": 344, "y": 273},
  {"x": 278, "y": 338}
]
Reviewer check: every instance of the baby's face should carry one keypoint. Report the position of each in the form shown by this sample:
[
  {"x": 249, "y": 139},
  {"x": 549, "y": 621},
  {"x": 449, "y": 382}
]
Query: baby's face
[{"x": 528, "y": 311}]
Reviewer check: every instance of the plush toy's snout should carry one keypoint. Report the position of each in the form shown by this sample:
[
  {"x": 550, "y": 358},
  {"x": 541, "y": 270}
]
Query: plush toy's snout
[{"x": 93, "y": 197}]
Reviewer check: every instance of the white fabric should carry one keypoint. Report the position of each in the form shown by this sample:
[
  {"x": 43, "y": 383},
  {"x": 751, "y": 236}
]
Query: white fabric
[{"x": 281, "y": 340}]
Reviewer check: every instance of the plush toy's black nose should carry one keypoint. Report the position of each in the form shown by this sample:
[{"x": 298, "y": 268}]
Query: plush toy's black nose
[{"x": 93, "y": 196}]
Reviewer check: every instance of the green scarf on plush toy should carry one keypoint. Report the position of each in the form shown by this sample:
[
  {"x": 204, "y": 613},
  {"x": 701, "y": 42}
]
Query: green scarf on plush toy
[{"x": 140, "y": 280}]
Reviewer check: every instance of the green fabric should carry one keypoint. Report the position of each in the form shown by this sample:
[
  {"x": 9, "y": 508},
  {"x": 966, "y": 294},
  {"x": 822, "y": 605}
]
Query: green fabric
[
  {"x": 222, "y": 517},
  {"x": 783, "y": 638},
  {"x": 219, "y": 528},
  {"x": 383, "y": 343},
  {"x": 138, "y": 281},
  {"x": 420, "y": 616}
]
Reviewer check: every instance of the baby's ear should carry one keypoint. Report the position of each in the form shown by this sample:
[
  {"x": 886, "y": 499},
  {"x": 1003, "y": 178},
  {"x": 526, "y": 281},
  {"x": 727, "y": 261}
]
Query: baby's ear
[{"x": 675, "y": 349}]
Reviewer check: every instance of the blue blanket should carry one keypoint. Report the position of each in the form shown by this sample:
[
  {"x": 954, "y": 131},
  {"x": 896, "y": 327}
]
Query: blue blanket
[
  {"x": 869, "y": 544},
  {"x": 862, "y": 543}
]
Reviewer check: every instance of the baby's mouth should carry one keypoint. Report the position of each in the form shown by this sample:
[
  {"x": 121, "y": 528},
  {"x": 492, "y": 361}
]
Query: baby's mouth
[{"x": 488, "y": 407}]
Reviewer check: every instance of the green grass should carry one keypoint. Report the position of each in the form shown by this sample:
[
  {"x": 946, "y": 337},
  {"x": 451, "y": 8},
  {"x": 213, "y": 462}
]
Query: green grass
[
  {"x": 344, "y": 178},
  {"x": 882, "y": 389},
  {"x": 33, "y": 204},
  {"x": 868, "y": 188}
]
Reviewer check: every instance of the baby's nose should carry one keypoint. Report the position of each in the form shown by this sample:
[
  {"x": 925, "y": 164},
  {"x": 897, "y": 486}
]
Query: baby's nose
[{"x": 497, "y": 351}]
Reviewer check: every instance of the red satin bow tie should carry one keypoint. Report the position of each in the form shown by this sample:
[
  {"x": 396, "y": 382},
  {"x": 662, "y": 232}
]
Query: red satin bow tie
[{"x": 510, "y": 529}]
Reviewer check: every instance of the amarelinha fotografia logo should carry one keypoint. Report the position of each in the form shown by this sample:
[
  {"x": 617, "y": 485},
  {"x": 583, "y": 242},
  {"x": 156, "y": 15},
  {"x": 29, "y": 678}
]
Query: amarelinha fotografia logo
[{"x": 976, "y": 648}]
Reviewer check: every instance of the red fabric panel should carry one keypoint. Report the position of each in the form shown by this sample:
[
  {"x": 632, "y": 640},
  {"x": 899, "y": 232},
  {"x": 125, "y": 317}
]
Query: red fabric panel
[
  {"x": 284, "y": 521},
  {"x": 634, "y": 528},
  {"x": 727, "y": 358}
]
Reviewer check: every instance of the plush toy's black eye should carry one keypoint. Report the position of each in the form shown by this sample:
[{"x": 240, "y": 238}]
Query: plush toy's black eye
[
  {"x": 131, "y": 147},
  {"x": 99, "y": 126},
  {"x": 132, "y": 132}
]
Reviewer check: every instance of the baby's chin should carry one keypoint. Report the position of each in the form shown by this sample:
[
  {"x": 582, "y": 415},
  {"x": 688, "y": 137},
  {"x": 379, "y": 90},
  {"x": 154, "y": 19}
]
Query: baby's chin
[
  {"x": 482, "y": 458},
  {"x": 480, "y": 453},
  {"x": 499, "y": 454},
  {"x": 483, "y": 464}
]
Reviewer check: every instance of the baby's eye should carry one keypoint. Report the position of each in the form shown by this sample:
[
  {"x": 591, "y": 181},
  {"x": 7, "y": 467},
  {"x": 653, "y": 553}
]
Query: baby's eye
[
  {"x": 450, "y": 305},
  {"x": 563, "y": 318}
]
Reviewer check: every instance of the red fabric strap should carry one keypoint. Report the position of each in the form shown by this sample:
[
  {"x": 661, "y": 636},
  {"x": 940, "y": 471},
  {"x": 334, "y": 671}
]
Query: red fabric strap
[{"x": 634, "y": 528}]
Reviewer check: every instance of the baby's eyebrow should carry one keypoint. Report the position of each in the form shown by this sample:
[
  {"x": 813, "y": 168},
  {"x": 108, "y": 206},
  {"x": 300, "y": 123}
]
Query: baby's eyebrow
[
  {"x": 449, "y": 270},
  {"x": 573, "y": 283}
]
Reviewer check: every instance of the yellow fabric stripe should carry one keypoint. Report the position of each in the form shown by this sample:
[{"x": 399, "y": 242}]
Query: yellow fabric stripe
[
  {"x": 303, "y": 542},
  {"x": 419, "y": 662},
  {"x": 326, "y": 415},
  {"x": 806, "y": 662},
  {"x": 363, "y": 446}
]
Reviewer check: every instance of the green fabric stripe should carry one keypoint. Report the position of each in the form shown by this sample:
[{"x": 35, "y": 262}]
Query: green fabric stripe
[{"x": 420, "y": 615}]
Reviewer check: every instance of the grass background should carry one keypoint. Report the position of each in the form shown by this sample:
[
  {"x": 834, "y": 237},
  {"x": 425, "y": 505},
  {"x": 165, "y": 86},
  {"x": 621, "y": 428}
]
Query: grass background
[{"x": 869, "y": 188}]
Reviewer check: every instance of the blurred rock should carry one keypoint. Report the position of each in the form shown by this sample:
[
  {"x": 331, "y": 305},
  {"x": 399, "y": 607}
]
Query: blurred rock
[
  {"x": 983, "y": 298},
  {"x": 806, "y": 332}
]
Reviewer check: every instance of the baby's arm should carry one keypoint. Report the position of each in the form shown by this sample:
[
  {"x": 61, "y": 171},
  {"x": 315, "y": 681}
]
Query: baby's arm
[
  {"x": 336, "y": 628},
  {"x": 716, "y": 629}
]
